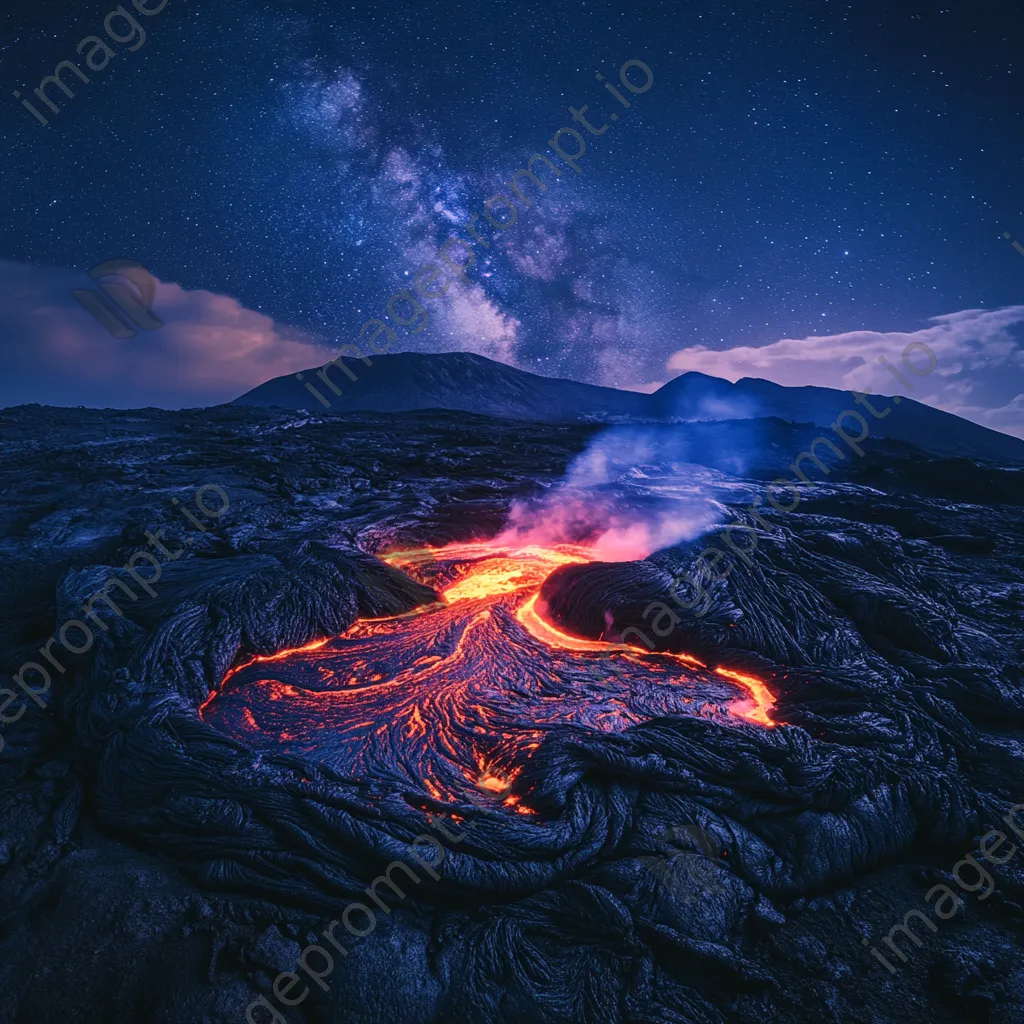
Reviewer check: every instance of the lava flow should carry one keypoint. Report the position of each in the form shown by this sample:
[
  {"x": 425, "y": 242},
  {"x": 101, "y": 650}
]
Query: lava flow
[{"x": 455, "y": 697}]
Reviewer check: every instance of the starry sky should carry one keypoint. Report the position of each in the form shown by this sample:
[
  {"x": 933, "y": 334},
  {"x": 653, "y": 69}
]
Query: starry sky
[{"x": 797, "y": 171}]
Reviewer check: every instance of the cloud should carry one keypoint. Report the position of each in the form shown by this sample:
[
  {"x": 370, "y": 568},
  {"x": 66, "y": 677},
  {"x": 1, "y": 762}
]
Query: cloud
[
  {"x": 979, "y": 369},
  {"x": 211, "y": 349}
]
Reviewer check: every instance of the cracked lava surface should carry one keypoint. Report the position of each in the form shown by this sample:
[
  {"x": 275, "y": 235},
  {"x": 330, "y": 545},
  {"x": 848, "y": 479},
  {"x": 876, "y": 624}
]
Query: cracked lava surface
[{"x": 454, "y": 697}]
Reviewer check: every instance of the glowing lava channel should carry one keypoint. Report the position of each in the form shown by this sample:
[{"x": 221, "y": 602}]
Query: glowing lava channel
[{"x": 458, "y": 696}]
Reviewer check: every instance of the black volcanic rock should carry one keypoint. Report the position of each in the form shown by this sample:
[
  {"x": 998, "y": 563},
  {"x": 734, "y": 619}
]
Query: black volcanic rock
[
  {"x": 152, "y": 868},
  {"x": 607, "y": 601},
  {"x": 470, "y": 383},
  {"x": 599, "y": 600}
]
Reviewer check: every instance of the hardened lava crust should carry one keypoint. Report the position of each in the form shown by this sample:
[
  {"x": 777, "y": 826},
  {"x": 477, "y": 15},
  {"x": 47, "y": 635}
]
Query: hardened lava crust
[{"x": 675, "y": 807}]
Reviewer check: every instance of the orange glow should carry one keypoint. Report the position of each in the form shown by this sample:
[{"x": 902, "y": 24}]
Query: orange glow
[
  {"x": 279, "y": 656},
  {"x": 458, "y": 695},
  {"x": 761, "y": 699},
  {"x": 554, "y": 637},
  {"x": 755, "y": 709},
  {"x": 493, "y": 784},
  {"x": 416, "y": 726},
  {"x": 514, "y": 803}
]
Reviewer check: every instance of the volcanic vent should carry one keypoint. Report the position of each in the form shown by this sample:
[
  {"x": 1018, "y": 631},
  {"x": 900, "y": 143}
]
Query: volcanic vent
[{"x": 456, "y": 696}]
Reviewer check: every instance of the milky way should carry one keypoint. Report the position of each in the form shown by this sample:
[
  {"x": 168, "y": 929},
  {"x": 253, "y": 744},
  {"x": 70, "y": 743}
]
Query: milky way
[{"x": 821, "y": 171}]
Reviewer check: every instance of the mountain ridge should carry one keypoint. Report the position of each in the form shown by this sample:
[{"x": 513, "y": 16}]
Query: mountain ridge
[{"x": 467, "y": 382}]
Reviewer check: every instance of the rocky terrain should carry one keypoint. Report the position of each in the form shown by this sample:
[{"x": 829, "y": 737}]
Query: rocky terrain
[{"x": 692, "y": 867}]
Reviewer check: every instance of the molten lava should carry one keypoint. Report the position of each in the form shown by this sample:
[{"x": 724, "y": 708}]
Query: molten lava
[{"x": 456, "y": 697}]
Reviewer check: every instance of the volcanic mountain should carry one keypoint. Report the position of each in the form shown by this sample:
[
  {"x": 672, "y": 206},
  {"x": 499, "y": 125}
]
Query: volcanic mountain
[{"x": 465, "y": 382}]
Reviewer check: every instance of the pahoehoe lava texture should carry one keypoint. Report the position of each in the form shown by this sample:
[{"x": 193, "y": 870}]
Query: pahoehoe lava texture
[
  {"x": 457, "y": 698},
  {"x": 158, "y": 868}
]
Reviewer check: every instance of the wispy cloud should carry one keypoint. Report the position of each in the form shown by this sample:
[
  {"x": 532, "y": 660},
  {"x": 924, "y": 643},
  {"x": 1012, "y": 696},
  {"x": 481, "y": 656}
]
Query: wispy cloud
[
  {"x": 211, "y": 348},
  {"x": 978, "y": 371}
]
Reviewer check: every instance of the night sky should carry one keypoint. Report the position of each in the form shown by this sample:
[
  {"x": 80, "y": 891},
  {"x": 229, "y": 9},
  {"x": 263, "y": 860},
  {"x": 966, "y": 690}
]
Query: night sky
[{"x": 796, "y": 172}]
